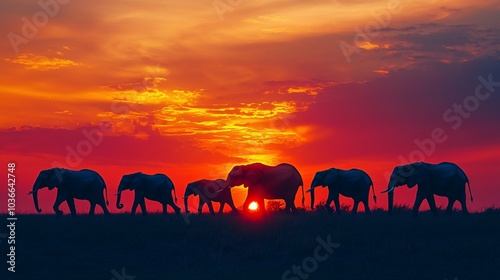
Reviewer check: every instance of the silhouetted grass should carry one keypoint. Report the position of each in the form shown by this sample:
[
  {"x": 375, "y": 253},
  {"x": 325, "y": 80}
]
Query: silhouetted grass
[{"x": 237, "y": 247}]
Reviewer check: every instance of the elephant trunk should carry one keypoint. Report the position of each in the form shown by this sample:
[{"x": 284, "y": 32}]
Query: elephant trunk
[
  {"x": 34, "y": 192},
  {"x": 314, "y": 184},
  {"x": 118, "y": 204},
  {"x": 35, "y": 200},
  {"x": 312, "y": 198},
  {"x": 186, "y": 203},
  {"x": 390, "y": 192},
  {"x": 390, "y": 201}
]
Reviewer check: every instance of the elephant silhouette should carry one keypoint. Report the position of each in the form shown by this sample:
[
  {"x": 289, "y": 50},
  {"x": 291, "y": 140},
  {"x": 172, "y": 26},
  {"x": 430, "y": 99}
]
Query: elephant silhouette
[
  {"x": 157, "y": 187},
  {"x": 208, "y": 191},
  {"x": 267, "y": 182},
  {"x": 443, "y": 179},
  {"x": 84, "y": 184},
  {"x": 354, "y": 183}
]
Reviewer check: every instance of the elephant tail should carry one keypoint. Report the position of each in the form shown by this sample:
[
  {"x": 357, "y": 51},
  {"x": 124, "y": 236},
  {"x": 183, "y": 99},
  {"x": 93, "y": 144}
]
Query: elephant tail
[
  {"x": 106, "y": 191},
  {"x": 301, "y": 184},
  {"x": 470, "y": 192},
  {"x": 105, "y": 188},
  {"x": 303, "y": 197},
  {"x": 374, "y": 196}
]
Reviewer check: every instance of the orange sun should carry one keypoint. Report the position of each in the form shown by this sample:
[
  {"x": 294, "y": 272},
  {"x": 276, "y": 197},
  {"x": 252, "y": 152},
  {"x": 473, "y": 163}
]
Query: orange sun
[{"x": 253, "y": 206}]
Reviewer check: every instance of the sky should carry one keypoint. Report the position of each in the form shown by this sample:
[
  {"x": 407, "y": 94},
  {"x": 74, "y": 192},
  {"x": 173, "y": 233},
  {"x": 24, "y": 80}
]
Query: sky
[{"x": 192, "y": 88}]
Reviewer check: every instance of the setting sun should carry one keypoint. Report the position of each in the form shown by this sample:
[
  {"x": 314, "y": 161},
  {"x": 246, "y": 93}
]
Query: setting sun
[{"x": 253, "y": 206}]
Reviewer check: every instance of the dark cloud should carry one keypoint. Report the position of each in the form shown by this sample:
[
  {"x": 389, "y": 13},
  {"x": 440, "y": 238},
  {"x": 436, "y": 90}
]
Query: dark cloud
[
  {"x": 383, "y": 118},
  {"x": 434, "y": 42}
]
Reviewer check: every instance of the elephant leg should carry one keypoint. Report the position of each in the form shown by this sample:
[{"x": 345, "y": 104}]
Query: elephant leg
[
  {"x": 99, "y": 200},
  {"x": 246, "y": 203},
  {"x": 327, "y": 205},
  {"x": 233, "y": 208},
  {"x": 432, "y": 205},
  {"x": 291, "y": 205},
  {"x": 92, "y": 209},
  {"x": 355, "y": 207},
  {"x": 71, "y": 205},
  {"x": 134, "y": 207},
  {"x": 337, "y": 204},
  {"x": 262, "y": 205},
  {"x": 288, "y": 208},
  {"x": 449, "y": 208},
  {"x": 464, "y": 205},
  {"x": 177, "y": 210},
  {"x": 367, "y": 208},
  {"x": 104, "y": 208},
  {"x": 211, "y": 207},
  {"x": 200, "y": 206},
  {"x": 59, "y": 200},
  {"x": 143, "y": 208},
  {"x": 416, "y": 205},
  {"x": 221, "y": 207},
  {"x": 136, "y": 203}
]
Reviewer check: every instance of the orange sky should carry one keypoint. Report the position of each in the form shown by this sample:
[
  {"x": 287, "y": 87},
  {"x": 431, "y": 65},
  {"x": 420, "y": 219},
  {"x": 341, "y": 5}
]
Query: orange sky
[{"x": 191, "y": 89}]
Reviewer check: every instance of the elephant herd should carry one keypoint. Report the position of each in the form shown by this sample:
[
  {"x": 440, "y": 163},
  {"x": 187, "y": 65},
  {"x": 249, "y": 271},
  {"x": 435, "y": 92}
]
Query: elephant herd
[{"x": 263, "y": 182}]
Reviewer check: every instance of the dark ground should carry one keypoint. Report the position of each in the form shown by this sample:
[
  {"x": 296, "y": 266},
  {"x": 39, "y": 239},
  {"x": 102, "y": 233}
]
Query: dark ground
[{"x": 234, "y": 247}]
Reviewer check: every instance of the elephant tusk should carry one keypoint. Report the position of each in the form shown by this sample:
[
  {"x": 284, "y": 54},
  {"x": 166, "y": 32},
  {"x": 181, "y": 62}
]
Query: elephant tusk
[
  {"x": 218, "y": 191},
  {"x": 388, "y": 190}
]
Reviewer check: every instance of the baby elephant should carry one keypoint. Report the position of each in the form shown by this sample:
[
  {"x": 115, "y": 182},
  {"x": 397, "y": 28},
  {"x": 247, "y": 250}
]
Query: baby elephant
[
  {"x": 210, "y": 190},
  {"x": 156, "y": 187}
]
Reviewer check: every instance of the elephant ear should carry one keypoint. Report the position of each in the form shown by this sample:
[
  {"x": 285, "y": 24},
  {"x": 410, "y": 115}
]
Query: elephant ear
[
  {"x": 196, "y": 187},
  {"x": 56, "y": 177},
  {"x": 330, "y": 177},
  {"x": 135, "y": 180},
  {"x": 420, "y": 173}
]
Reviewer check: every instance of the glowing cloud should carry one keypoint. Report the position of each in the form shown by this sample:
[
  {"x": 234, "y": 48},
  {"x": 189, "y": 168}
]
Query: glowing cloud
[{"x": 42, "y": 63}]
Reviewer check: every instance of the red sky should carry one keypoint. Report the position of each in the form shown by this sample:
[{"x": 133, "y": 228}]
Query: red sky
[{"x": 191, "y": 90}]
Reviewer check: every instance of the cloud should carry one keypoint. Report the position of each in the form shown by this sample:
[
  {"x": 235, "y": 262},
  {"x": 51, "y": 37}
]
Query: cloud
[
  {"x": 434, "y": 42},
  {"x": 382, "y": 118},
  {"x": 42, "y": 63},
  {"x": 247, "y": 128}
]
